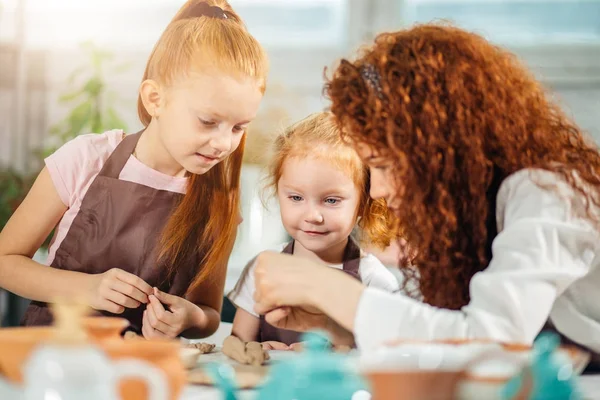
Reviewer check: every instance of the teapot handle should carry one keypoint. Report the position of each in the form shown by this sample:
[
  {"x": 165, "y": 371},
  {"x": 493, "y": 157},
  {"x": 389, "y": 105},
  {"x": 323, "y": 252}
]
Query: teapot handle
[
  {"x": 152, "y": 376},
  {"x": 223, "y": 376}
]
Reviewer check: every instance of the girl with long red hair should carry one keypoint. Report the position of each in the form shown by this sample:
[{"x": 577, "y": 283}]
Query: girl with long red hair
[{"x": 146, "y": 222}]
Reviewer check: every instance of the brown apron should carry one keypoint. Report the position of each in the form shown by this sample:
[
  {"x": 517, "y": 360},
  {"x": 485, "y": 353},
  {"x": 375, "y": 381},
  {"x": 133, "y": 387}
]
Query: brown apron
[
  {"x": 267, "y": 332},
  {"x": 118, "y": 226}
]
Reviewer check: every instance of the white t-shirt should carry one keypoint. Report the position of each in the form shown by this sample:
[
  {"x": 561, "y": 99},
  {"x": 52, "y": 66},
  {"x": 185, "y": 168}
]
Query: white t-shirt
[
  {"x": 545, "y": 263},
  {"x": 372, "y": 273}
]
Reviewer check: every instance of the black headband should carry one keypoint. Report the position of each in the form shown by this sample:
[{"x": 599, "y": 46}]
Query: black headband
[
  {"x": 204, "y": 9},
  {"x": 372, "y": 78}
]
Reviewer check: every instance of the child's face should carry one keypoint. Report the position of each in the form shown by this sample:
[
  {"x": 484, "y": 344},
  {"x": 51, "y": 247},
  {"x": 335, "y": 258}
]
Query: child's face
[
  {"x": 204, "y": 118},
  {"x": 318, "y": 203}
]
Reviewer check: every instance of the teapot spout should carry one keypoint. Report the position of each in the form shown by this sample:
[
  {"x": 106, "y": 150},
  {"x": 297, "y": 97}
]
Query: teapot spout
[
  {"x": 546, "y": 377},
  {"x": 223, "y": 377}
]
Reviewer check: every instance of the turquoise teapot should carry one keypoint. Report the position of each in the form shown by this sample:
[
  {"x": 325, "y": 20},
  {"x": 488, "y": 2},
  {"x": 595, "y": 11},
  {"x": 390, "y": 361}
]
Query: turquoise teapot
[
  {"x": 315, "y": 374},
  {"x": 547, "y": 377}
]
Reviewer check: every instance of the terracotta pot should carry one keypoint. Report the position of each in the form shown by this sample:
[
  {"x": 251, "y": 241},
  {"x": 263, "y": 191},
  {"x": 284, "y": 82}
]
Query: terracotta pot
[
  {"x": 162, "y": 354},
  {"x": 442, "y": 370},
  {"x": 101, "y": 329},
  {"x": 17, "y": 344},
  {"x": 413, "y": 385},
  {"x": 437, "y": 385}
]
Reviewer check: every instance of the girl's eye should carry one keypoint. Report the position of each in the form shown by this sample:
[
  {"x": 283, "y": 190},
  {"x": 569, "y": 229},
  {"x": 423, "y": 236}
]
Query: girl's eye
[
  {"x": 239, "y": 129},
  {"x": 332, "y": 201},
  {"x": 295, "y": 198},
  {"x": 206, "y": 123}
]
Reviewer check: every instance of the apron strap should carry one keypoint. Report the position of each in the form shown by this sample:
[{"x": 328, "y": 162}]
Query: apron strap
[
  {"x": 289, "y": 249},
  {"x": 352, "y": 259},
  {"x": 117, "y": 160}
]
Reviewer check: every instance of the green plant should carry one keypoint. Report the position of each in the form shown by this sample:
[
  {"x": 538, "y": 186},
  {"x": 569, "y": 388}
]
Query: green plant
[
  {"x": 13, "y": 188},
  {"x": 92, "y": 110},
  {"x": 92, "y": 103}
]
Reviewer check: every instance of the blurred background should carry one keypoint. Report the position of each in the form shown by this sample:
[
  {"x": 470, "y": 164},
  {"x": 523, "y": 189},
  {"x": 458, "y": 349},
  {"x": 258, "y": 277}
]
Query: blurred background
[{"x": 69, "y": 67}]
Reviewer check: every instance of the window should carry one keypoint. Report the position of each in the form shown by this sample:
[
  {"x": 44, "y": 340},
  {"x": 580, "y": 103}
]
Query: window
[
  {"x": 515, "y": 22},
  {"x": 295, "y": 23},
  {"x": 138, "y": 23}
]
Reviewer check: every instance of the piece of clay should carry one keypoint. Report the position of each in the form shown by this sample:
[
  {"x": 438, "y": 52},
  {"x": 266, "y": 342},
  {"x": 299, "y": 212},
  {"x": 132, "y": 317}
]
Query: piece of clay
[
  {"x": 250, "y": 353},
  {"x": 204, "y": 348},
  {"x": 255, "y": 354},
  {"x": 235, "y": 349},
  {"x": 129, "y": 335}
]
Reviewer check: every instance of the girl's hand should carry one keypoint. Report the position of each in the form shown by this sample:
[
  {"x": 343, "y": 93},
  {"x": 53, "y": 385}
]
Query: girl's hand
[
  {"x": 115, "y": 290},
  {"x": 272, "y": 345},
  {"x": 167, "y": 322},
  {"x": 148, "y": 332}
]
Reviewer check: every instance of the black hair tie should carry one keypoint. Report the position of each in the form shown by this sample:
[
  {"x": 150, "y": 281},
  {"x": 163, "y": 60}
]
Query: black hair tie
[{"x": 204, "y": 9}]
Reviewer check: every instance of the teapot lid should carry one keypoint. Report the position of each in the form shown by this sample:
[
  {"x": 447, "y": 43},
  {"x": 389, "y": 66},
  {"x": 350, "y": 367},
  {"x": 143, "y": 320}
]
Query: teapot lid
[{"x": 319, "y": 370}]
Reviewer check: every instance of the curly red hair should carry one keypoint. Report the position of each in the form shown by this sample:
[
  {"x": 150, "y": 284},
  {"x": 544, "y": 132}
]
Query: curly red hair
[{"x": 454, "y": 115}]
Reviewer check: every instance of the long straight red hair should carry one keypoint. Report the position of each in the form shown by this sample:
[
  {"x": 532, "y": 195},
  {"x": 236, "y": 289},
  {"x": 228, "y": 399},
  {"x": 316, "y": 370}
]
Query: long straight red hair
[{"x": 206, "y": 219}]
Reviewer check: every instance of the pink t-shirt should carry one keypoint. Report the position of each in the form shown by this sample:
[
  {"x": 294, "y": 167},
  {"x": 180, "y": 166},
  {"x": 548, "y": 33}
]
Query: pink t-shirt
[{"x": 75, "y": 165}]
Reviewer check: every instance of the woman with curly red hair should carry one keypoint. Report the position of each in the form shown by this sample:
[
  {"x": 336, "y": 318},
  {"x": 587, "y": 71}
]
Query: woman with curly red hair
[{"x": 496, "y": 191}]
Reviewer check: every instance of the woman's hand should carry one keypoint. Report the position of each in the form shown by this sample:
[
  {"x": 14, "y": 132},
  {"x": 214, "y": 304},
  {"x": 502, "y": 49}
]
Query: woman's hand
[
  {"x": 115, "y": 290},
  {"x": 283, "y": 280},
  {"x": 299, "y": 294},
  {"x": 299, "y": 319},
  {"x": 168, "y": 322}
]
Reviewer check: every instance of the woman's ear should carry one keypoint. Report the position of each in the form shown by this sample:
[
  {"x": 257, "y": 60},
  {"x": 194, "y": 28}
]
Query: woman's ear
[{"x": 152, "y": 97}]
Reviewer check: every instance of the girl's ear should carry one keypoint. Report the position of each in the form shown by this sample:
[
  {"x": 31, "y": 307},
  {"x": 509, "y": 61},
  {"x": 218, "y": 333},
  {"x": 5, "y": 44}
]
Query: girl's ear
[{"x": 152, "y": 97}]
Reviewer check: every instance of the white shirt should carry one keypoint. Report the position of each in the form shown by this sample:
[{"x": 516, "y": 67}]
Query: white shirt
[
  {"x": 544, "y": 264},
  {"x": 372, "y": 273}
]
